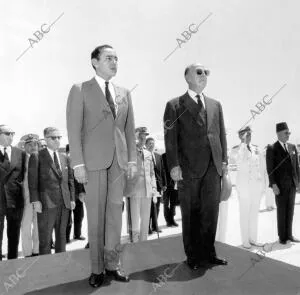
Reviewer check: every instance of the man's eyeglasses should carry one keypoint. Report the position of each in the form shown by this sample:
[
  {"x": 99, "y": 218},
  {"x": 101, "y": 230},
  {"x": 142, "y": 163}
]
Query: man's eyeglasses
[
  {"x": 201, "y": 72},
  {"x": 54, "y": 137},
  {"x": 8, "y": 133},
  {"x": 111, "y": 58}
]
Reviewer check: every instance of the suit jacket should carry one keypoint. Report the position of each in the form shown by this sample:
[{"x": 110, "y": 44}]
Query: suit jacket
[
  {"x": 158, "y": 171},
  {"x": 46, "y": 184},
  {"x": 283, "y": 168},
  {"x": 93, "y": 132},
  {"x": 11, "y": 180},
  {"x": 166, "y": 177},
  {"x": 190, "y": 142}
]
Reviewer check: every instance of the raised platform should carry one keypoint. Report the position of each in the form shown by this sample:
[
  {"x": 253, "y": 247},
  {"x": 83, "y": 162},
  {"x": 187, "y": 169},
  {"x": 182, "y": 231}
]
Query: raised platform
[{"x": 155, "y": 267}]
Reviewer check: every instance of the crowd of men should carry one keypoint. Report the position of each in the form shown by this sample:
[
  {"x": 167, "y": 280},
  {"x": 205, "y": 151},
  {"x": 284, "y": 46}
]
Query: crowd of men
[{"x": 110, "y": 159}]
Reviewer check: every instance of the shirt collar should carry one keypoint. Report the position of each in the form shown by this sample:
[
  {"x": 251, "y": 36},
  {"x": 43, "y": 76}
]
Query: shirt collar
[
  {"x": 282, "y": 144},
  {"x": 100, "y": 81},
  {"x": 8, "y": 148},
  {"x": 51, "y": 152},
  {"x": 193, "y": 94}
]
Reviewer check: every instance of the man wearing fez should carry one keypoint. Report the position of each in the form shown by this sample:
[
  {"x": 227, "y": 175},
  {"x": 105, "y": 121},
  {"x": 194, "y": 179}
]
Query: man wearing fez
[
  {"x": 51, "y": 189},
  {"x": 12, "y": 168},
  {"x": 101, "y": 133},
  {"x": 29, "y": 229},
  {"x": 250, "y": 184},
  {"x": 283, "y": 171}
]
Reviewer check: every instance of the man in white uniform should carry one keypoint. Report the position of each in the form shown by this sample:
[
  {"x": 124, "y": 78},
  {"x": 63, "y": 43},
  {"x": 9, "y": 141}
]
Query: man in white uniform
[{"x": 250, "y": 186}]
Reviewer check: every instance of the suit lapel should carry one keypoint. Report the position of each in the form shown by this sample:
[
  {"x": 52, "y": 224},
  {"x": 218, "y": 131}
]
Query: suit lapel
[
  {"x": 51, "y": 163},
  {"x": 192, "y": 107},
  {"x": 209, "y": 110},
  {"x": 13, "y": 158},
  {"x": 120, "y": 100}
]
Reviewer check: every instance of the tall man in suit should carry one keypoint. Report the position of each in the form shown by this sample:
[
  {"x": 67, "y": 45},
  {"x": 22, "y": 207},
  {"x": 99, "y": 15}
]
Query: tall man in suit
[
  {"x": 101, "y": 133},
  {"x": 12, "y": 168},
  {"x": 196, "y": 149},
  {"x": 29, "y": 228},
  {"x": 156, "y": 159},
  {"x": 51, "y": 188},
  {"x": 283, "y": 171}
]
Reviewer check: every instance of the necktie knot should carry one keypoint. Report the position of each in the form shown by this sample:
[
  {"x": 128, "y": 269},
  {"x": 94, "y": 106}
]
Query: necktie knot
[{"x": 199, "y": 101}]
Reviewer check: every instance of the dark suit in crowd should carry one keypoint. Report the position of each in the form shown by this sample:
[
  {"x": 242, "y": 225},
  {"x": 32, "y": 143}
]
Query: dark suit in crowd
[
  {"x": 170, "y": 195},
  {"x": 55, "y": 190},
  {"x": 283, "y": 170},
  {"x": 11, "y": 199}
]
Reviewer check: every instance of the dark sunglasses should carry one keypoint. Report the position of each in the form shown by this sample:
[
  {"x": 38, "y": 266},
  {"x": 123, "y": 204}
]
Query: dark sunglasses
[
  {"x": 8, "y": 133},
  {"x": 54, "y": 137},
  {"x": 200, "y": 72}
]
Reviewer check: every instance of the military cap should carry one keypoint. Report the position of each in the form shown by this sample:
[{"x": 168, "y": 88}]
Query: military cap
[
  {"x": 281, "y": 126},
  {"x": 140, "y": 130},
  {"x": 30, "y": 137},
  {"x": 244, "y": 130}
]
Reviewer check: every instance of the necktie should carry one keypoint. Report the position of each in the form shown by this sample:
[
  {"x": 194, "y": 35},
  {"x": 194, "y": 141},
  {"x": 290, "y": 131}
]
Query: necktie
[
  {"x": 248, "y": 147},
  {"x": 285, "y": 148},
  {"x": 56, "y": 162},
  {"x": 109, "y": 99},
  {"x": 6, "y": 155},
  {"x": 199, "y": 101}
]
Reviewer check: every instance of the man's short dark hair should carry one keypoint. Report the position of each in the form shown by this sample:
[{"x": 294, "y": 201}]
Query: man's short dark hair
[
  {"x": 149, "y": 138},
  {"x": 98, "y": 50},
  {"x": 49, "y": 130}
]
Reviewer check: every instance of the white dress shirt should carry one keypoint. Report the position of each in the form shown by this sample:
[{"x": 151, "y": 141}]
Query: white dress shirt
[
  {"x": 52, "y": 156},
  {"x": 101, "y": 83},
  {"x": 193, "y": 94},
  {"x": 8, "y": 151},
  {"x": 282, "y": 144}
]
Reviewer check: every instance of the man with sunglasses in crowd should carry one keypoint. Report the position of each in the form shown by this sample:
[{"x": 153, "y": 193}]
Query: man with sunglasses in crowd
[
  {"x": 196, "y": 150},
  {"x": 284, "y": 176},
  {"x": 51, "y": 187},
  {"x": 12, "y": 168}
]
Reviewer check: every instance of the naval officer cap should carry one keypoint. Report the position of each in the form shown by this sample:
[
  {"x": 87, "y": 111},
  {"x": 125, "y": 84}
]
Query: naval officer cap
[
  {"x": 30, "y": 138},
  {"x": 281, "y": 126},
  {"x": 141, "y": 130},
  {"x": 244, "y": 130}
]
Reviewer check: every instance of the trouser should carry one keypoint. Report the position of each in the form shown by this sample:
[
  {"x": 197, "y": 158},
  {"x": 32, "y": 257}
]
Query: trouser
[
  {"x": 269, "y": 197},
  {"x": 153, "y": 222},
  {"x": 169, "y": 199},
  {"x": 78, "y": 214},
  {"x": 199, "y": 203},
  {"x": 285, "y": 211},
  {"x": 222, "y": 222},
  {"x": 249, "y": 196},
  {"x": 104, "y": 194},
  {"x": 13, "y": 220},
  {"x": 140, "y": 215},
  {"x": 29, "y": 230},
  {"x": 52, "y": 218}
]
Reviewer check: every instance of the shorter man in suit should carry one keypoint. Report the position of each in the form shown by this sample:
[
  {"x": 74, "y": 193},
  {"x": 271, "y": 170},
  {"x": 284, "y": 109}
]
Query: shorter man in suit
[
  {"x": 283, "y": 171},
  {"x": 12, "y": 167},
  {"x": 156, "y": 159},
  {"x": 51, "y": 187},
  {"x": 29, "y": 229}
]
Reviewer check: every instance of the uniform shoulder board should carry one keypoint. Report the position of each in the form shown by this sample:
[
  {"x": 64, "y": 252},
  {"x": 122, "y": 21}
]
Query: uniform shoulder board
[{"x": 236, "y": 146}]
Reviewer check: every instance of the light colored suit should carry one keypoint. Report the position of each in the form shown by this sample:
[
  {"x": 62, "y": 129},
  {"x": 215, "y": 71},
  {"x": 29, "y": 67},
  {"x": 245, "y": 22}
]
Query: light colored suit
[{"x": 104, "y": 145}]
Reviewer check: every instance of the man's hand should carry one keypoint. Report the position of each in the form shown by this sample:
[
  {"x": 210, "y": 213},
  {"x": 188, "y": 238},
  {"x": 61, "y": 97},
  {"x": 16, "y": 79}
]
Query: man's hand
[
  {"x": 131, "y": 170},
  {"x": 275, "y": 189},
  {"x": 82, "y": 197},
  {"x": 80, "y": 174},
  {"x": 224, "y": 168},
  {"x": 154, "y": 199},
  {"x": 37, "y": 206},
  {"x": 73, "y": 205},
  {"x": 164, "y": 188},
  {"x": 176, "y": 173}
]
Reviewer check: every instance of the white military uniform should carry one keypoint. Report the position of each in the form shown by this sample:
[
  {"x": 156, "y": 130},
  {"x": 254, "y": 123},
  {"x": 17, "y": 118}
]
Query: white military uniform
[{"x": 250, "y": 185}]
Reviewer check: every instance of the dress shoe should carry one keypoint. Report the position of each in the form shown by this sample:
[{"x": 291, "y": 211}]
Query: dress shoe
[
  {"x": 68, "y": 241},
  {"x": 96, "y": 280},
  {"x": 158, "y": 230},
  {"x": 117, "y": 275},
  {"x": 283, "y": 242},
  {"x": 81, "y": 238},
  {"x": 150, "y": 232},
  {"x": 174, "y": 223},
  {"x": 217, "y": 261},
  {"x": 293, "y": 239},
  {"x": 192, "y": 264},
  {"x": 169, "y": 224},
  {"x": 34, "y": 254},
  {"x": 87, "y": 246}
]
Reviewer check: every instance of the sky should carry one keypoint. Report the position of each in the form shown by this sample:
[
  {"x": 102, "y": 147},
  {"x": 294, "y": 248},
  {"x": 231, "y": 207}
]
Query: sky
[{"x": 251, "y": 48}]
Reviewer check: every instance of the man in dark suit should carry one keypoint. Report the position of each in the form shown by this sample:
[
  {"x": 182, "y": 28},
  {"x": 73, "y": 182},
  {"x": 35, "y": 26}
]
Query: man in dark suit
[
  {"x": 170, "y": 194},
  {"x": 51, "y": 187},
  {"x": 196, "y": 149},
  {"x": 156, "y": 159},
  {"x": 12, "y": 169},
  {"x": 283, "y": 171},
  {"x": 101, "y": 133}
]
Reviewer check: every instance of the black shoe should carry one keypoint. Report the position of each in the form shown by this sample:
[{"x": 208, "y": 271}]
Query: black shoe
[
  {"x": 81, "y": 238},
  {"x": 150, "y": 232},
  {"x": 174, "y": 223},
  {"x": 87, "y": 246},
  {"x": 96, "y": 280},
  {"x": 218, "y": 261},
  {"x": 192, "y": 264},
  {"x": 158, "y": 230},
  {"x": 118, "y": 275},
  {"x": 169, "y": 224},
  {"x": 68, "y": 241},
  {"x": 34, "y": 254},
  {"x": 283, "y": 242},
  {"x": 293, "y": 239}
]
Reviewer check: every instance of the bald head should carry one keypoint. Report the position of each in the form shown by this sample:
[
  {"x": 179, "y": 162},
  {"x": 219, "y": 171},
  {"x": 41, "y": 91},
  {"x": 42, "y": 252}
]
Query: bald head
[{"x": 196, "y": 76}]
